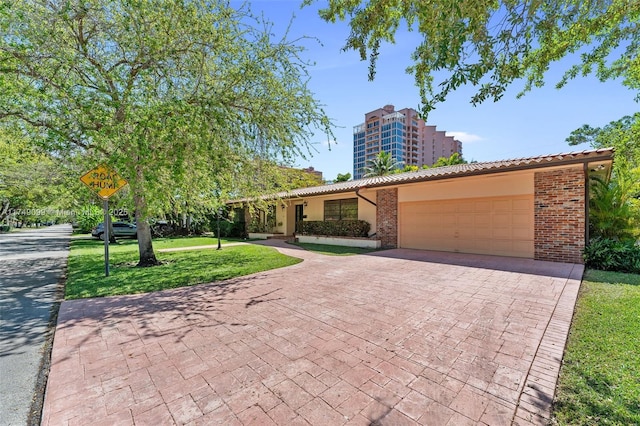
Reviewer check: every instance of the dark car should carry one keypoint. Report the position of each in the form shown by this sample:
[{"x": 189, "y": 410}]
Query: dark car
[{"x": 120, "y": 229}]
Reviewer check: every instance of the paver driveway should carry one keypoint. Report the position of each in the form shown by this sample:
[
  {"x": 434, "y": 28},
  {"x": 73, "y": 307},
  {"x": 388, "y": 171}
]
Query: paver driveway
[{"x": 398, "y": 337}]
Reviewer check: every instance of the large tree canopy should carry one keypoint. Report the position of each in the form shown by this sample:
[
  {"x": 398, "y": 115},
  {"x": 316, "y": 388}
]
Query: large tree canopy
[
  {"x": 30, "y": 182},
  {"x": 623, "y": 135},
  {"x": 491, "y": 43},
  {"x": 36, "y": 186},
  {"x": 615, "y": 203},
  {"x": 189, "y": 100}
]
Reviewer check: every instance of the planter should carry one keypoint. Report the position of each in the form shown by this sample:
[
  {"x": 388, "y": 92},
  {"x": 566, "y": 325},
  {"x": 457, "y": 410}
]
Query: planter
[
  {"x": 261, "y": 235},
  {"x": 340, "y": 241}
]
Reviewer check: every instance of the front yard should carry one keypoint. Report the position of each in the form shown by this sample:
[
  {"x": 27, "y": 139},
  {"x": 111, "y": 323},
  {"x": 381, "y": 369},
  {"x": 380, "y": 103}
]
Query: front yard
[
  {"x": 181, "y": 268},
  {"x": 600, "y": 379}
]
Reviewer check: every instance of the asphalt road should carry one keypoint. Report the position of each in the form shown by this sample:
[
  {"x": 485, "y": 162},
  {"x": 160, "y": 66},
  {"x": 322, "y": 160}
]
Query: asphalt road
[{"x": 31, "y": 266}]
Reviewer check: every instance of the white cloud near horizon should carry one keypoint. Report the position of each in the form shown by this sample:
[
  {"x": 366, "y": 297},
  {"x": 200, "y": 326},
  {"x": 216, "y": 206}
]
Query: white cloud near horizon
[{"x": 465, "y": 137}]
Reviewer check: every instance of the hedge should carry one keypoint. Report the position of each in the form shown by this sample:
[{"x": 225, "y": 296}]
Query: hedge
[{"x": 335, "y": 228}]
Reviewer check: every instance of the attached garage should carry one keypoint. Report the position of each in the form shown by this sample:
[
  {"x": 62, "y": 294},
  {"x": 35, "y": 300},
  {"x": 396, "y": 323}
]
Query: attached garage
[{"x": 489, "y": 225}]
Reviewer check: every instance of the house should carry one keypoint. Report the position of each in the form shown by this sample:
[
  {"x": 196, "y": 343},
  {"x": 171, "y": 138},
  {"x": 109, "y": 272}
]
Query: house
[{"x": 529, "y": 207}]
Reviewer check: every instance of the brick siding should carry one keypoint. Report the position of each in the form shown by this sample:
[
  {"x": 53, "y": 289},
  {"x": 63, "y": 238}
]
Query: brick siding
[
  {"x": 387, "y": 217},
  {"x": 559, "y": 215}
]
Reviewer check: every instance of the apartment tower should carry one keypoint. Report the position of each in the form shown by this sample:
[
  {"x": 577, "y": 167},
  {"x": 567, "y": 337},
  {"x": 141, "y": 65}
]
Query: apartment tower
[{"x": 404, "y": 135}]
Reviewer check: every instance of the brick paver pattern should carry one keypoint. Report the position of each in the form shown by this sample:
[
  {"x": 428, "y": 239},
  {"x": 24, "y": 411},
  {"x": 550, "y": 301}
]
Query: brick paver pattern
[{"x": 399, "y": 337}]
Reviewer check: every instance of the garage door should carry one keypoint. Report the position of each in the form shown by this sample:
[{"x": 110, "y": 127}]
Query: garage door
[{"x": 499, "y": 225}]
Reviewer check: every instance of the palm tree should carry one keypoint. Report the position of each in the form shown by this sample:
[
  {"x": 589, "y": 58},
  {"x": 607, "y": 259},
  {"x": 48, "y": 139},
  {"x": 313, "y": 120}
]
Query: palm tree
[
  {"x": 454, "y": 159},
  {"x": 382, "y": 164},
  {"x": 613, "y": 207}
]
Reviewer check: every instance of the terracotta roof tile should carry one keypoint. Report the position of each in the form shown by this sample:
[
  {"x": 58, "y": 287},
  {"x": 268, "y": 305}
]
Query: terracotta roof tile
[{"x": 459, "y": 170}]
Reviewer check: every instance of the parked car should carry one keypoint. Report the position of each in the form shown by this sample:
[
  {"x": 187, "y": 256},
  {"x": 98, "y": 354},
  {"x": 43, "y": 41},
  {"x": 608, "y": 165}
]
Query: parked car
[{"x": 120, "y": 229}]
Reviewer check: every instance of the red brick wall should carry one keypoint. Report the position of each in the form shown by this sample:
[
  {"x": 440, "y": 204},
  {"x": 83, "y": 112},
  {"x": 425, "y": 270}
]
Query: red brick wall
[
  {"x": 387, "y": 217},
  {"x": 559, "y": 215}
]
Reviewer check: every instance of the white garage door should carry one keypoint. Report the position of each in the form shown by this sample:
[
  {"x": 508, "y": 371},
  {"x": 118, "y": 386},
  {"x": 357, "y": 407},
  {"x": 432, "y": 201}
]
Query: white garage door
[{"x": 498, "y": 225}]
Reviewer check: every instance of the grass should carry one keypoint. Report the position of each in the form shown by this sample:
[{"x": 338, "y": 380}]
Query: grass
[
  {"x": 176, "y": 242},
  {"x": 600, "y": 379},
  {"x": 332, "y": 250},
  {"x": 183, "y": 268}
]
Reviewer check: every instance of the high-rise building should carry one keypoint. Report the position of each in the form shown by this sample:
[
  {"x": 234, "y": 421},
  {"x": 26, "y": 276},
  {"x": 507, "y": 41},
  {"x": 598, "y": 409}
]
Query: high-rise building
[{"x": 404, "y": 135}]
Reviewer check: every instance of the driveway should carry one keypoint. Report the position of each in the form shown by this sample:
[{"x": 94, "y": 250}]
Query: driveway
[{"x": 399, "y": 337}]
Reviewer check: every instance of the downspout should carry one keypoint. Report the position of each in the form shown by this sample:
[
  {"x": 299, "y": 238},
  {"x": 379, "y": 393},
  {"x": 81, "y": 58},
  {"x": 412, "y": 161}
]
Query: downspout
[
  {"x": 365, "y": 198},
  {"x": 586, "y": 203}
]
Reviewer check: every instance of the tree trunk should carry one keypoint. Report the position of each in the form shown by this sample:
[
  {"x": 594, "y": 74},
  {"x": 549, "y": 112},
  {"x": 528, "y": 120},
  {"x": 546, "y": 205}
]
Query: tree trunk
[{"x": 145, "y": 245}]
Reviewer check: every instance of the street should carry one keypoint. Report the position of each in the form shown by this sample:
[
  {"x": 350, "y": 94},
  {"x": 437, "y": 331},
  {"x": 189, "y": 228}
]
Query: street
[{"x": 31, "y": 265}]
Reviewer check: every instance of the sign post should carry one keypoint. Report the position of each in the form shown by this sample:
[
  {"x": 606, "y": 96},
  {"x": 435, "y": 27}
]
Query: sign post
[
  {"x": 105, "y": 182},
  {"x": 105, "y": 235}
]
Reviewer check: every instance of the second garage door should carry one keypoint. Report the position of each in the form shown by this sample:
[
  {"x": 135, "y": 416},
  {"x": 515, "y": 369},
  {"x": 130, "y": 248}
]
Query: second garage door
[{"x": 501, "y": 226}]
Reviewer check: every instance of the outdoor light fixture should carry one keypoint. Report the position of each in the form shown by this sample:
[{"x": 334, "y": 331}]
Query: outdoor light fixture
[{"x": 304, "y": 204}]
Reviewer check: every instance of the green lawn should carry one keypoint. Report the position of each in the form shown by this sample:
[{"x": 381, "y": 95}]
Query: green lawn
[
  {"x": 600, "y": 379},
  {"x": 86, "y": 266},
  {"x": 333, "y": 250},
  {"x": 175, "y": 242}
]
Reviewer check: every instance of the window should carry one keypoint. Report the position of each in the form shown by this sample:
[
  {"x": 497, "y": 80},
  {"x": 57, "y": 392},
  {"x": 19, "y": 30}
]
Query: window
[{"x": 346, "y": 209}]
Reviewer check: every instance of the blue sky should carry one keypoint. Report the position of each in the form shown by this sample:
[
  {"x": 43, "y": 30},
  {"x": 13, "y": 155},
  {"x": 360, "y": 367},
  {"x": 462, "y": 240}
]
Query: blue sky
[{"x": 535, "y": 124}]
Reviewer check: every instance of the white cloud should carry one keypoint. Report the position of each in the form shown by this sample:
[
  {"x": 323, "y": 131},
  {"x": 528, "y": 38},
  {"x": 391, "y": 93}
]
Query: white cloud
[{"x": 465, "y": 137}]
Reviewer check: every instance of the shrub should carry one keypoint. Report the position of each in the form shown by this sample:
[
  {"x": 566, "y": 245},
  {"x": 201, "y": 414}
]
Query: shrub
[
  {"x": 610, "y": 254},
  {"x": 230, "y": 229},
  {"x": 335, "y": 228},
  {"x": 90, "y": 216},
  {"x": 613, "y": 209}
]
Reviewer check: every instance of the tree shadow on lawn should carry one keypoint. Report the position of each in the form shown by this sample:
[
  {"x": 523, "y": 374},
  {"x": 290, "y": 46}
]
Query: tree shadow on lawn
[
  {"x": 595, "y": 398},
  {"x": 608, "y": 277}
]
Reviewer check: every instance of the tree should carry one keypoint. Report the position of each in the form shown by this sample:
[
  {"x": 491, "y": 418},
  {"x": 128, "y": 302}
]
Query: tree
[
  {"x": 452, "y": 160},
  {"x": 343, "y": 177},
  {"x": 491, "y": 43},
  {"x": 614, "y": 205},
  {"x": 382, "y": 164},
  {"x": 614, "y": 212},
  {"x": 31, "y": 181},
  {"x": 623, "y": 135},
  {"x": 301, "y": 178},
  {"x": 407, "y": 168},
  {"x": 187, "y": 100}
]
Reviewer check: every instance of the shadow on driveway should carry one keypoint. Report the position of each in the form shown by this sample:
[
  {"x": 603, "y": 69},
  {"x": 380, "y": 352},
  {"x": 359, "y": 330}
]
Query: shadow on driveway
[{"x": 393, "y": 337}]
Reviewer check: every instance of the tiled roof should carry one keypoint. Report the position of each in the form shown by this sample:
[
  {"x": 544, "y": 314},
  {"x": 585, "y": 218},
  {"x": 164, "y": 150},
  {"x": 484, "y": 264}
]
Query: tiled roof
[{"x": 458, "y": 170}]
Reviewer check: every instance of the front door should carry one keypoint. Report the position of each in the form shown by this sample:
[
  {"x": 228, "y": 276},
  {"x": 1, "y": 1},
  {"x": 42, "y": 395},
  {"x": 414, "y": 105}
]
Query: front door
[{"x": 299, "y": 217}]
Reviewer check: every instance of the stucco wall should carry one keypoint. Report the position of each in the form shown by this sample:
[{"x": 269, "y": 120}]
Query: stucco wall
[
  {"x": 314, "y": 210},
  {"x": 281, "y": 219},
  {"x": 515, "y": 183}
]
